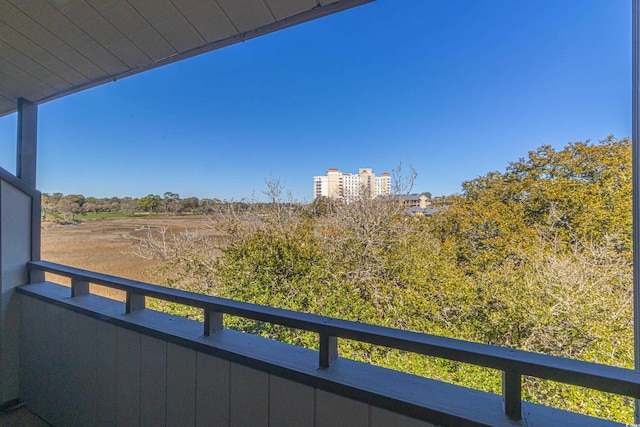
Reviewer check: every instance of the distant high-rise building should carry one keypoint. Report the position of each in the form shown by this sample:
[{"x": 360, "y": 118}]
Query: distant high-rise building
[{"x": 348, "y": 187}]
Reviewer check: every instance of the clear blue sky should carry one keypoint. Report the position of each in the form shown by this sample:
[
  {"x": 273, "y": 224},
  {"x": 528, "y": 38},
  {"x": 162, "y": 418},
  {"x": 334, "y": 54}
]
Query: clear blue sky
[{"x": 456, "y": 87}]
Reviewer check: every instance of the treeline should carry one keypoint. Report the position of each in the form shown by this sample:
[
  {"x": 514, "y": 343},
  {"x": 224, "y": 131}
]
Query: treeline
[
  {"x": 59, "y": 205},
  {"x": 72, "y": 205},
  {"x": 537, "y": 257}
]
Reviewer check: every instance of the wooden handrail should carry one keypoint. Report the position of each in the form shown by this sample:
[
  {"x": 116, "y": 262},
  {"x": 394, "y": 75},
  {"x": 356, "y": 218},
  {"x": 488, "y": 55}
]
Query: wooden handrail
[{"x": 513, "y": 363}]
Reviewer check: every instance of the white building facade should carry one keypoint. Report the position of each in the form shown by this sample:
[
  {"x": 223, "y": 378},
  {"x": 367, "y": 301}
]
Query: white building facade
[{"x": 348, "y": 187}]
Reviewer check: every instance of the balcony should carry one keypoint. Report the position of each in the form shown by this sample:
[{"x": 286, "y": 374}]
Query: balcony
[
  {"x": 119, "y": 363},
  {"x": 75, "y": 358}
]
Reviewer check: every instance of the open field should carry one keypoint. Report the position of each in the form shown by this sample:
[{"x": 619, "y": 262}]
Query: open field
[{"x": 105, "y": 245}]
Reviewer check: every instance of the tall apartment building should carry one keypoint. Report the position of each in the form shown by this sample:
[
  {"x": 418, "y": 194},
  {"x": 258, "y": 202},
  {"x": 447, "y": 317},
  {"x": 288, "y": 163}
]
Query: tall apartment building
[{"x": 348, "y": 187}]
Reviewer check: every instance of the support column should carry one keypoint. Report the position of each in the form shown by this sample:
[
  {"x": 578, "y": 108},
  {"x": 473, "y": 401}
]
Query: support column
[
  {"x": 27, "y": 142},
  {"x": 26, "y": 165},
  {"x": 635, "y": 137}
]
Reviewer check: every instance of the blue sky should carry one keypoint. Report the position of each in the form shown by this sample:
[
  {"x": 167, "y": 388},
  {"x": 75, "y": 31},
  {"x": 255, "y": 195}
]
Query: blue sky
[{"x": 457, "y": 88}]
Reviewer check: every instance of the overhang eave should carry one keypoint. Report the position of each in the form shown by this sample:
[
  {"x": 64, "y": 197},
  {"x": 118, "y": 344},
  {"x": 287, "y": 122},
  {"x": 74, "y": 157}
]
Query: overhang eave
[{"x": 31, "y": 70}]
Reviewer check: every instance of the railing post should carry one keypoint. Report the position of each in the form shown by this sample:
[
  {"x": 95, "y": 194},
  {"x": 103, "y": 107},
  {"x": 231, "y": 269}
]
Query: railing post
[
  {"x": 79, "y": 287},
  {"x": 212, "y": 322},
  {"x": 512, "y": 394},
  {"x": 328, "y": 349},
  {"x": 135, "y": 302},
  {"x": 36, "y": 276}
]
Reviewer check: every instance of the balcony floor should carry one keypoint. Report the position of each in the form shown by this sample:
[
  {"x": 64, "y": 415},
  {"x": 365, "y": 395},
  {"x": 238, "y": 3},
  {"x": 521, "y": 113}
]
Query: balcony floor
[{"x": 20, "y": 417}]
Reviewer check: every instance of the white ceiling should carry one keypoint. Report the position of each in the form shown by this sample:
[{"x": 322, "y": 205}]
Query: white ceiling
[{"x": 52, "y": 48}]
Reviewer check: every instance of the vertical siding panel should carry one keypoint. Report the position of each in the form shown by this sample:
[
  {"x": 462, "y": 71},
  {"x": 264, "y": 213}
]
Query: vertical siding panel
[
  {"x": 383, "y": 418},
  {"x": 336, "y": 411},
  {"x": 249, "y": 401},
  {"x": 32, "y": 323},
  {"x": 68, "y": 394},
  {"x": 290, "y": 403},
  {"x": 127, "y": 378},
  {"x": 212, "y": 391},
  {"x": 153, "y": 381},
  {"x": 106, "y": 344},
  {"x": 77, "y": 370},
  {"x": 52, "y": 383},
  {"x": 87, "y": 370},
  {"x": 181, "y": 386},
  {"x": 40, "y": 360}
]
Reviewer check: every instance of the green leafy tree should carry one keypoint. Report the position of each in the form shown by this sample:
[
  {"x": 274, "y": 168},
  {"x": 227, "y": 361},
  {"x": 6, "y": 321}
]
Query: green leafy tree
[
  {"x": 584, "y": 191},
  {"x": 71, "y": 205},
  {"x": 171, "y": 202},
  {"x": 189, "y": 204},
  {"x": 537, "y": 257},
  {"x": 50, "y": 204},
  {"x": 150, "y": 203}
]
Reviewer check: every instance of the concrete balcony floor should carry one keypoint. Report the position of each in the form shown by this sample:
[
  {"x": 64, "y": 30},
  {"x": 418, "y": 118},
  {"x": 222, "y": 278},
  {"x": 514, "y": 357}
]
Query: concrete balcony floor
[{"x": 20, "y": 416}]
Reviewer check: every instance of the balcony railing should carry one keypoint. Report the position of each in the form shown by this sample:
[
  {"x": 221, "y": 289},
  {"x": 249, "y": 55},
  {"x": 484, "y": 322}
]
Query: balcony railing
[{"x": 513, "y": 363}]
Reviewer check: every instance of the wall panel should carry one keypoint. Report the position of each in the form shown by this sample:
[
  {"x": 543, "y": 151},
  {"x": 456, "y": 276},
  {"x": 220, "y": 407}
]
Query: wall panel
[
  {"x": 290, "y": 403},
  {"x": 336, "y": 411},
  {"x": 87, "y": 370},
  {"x": 153, "y": 381},
  {"x": 85, "y": 362},
  {"x": 68, "y": 393},
  {"x": 249, "y": 405},
  {"x": 181, "y": 385},
  {"x": 127, "y": 378},
  {"x": 212, "y": 391},
  {"x": 106, "y": 363},
  {"x": 384, "y": 418}
]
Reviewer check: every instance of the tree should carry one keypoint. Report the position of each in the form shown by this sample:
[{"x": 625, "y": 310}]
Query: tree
[
  {"x": 45, "y": 205},
  {"x": 71, "y": 205},
  {"x": 402, "y": 182},
  {"x": 190, "y": 204},
  {"x": 209, "y": 206},
  {"x": 50, "y": 204},
  {"x": 324, "y": 206},
  {"x": 129, "y": 206},
  {"x": 583, "y": 191},
  {"x": 536, "y": 257},
  {"x": 171, "y": 202},
  {"x": 149, "y": 203}
]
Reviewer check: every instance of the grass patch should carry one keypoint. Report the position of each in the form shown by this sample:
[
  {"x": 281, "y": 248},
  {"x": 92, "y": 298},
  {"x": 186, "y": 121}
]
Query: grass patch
[{"x": 104, "y": 215}]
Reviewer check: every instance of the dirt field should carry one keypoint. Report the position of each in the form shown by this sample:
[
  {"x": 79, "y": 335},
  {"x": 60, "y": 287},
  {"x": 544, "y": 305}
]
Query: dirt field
[{"x": 104, "y": 245}]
